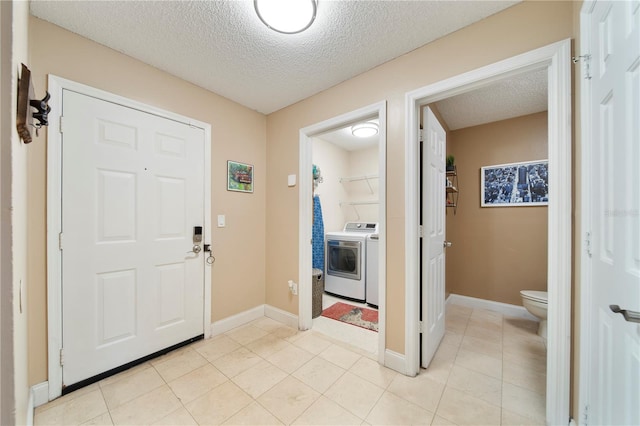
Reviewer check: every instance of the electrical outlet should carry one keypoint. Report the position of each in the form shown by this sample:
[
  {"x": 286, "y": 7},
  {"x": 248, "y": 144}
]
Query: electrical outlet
[{"x": 293, "y": 287}]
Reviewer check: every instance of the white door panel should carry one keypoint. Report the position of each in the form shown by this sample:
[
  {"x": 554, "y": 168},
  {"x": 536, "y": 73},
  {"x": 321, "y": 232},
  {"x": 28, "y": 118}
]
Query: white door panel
[
  {"x": 133, "y": 189},
  {"x": 615, "y": 203},
  {"x": 433, "y": 220}
]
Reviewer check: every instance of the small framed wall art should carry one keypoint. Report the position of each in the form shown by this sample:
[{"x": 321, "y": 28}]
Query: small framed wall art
[
  {"x": 515, "y": 184},
  {"x": 239, "y": 177}
]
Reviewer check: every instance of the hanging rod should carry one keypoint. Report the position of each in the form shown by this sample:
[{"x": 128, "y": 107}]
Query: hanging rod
[
  {"x": 355, "y": 178},
  {"x": 358, "y": 203}
]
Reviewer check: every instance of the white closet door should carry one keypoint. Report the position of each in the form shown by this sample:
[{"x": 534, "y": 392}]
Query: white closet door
[
  {"x": 615, "y": 201},
  {"x": 433, "y": 221}
]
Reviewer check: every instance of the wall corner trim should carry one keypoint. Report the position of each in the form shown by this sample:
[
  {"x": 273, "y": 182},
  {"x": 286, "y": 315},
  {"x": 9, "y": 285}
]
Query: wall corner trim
[
  {"x": 242, "y": 318},
  {"x": 38, "y": 395},
  {"x": 396, "y": 361},
  {"x": 279, "y": 315}
]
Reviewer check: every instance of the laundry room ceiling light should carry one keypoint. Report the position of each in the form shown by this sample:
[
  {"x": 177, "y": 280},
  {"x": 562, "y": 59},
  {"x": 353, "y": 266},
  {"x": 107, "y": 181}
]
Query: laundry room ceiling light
[
  {"x": 364, "y": 130},
  {"x": 286, "y": 16}
]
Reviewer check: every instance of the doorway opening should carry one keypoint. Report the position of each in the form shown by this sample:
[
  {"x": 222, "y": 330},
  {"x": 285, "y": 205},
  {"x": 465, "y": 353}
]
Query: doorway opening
[
  {"x": 342, "y": 184},
  {"x": 555, "y": 59}
]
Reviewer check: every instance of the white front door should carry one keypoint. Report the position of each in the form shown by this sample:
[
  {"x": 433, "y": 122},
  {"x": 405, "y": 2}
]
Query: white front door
[
  {"x": 614, "y": 191},
  {"x": 433, "y": 222},
  {"x": 132, "y": 193}
]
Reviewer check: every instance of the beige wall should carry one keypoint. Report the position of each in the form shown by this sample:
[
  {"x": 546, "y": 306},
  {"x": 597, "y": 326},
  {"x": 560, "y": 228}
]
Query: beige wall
[
  {"x": 497, "y": 251},
  {"x": 337, "y": 163},
  {"x": 521, "y": 28},
  {"x": 237, "y": 134},
  {"x": 333, "y": 162},
  {"x": 364, "y": 162}
]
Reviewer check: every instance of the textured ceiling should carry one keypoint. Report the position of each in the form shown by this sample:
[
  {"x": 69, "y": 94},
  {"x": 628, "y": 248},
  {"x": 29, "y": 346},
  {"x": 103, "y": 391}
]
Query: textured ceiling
[
  {"x": 222, "y": 46},
  {"x": 512, "y": 97},
  {"x": 345, "y": 139}
]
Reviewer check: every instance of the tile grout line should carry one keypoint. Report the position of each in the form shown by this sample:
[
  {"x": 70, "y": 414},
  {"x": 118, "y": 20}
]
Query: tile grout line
[
  {"x": 358, "y": 357},
  {"x": 435, "y": 413}
]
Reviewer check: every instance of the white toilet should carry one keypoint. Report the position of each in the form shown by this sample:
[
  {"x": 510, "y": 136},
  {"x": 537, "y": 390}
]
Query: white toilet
[{"x": 536, "y": 304}]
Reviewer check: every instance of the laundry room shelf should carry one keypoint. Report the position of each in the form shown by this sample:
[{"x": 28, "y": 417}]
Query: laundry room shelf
[
  {"x": 358, "y": 203},
  {"x": 366, "y": 178}
]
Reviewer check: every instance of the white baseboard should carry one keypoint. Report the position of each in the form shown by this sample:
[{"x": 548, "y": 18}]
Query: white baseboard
[
  {"x": 38, "y": 395},
  {"x": 279, "y": 315},
  {"x": 236, "y": 320},
  {"x": 395, "y": 361},
  {"x": 503, "y": 308}
]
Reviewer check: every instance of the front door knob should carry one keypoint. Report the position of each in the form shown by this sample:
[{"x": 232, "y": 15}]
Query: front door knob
[{"x": 196, "y": 249}]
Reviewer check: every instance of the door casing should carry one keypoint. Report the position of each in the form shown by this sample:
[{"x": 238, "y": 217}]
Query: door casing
[
  {"x": 305, "y": 320},
  {"x": 54, "y": 213},
  {"x": 556, "y": 58}
]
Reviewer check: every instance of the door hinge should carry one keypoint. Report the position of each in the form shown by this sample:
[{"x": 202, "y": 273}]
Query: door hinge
[
  {"x": 420, "y": 327},
  {"x": 585, "y": 416},
  {"x": 61, "y": 124},
  {"x": 587, "y": 243},
  {"x": 586, "y": 60},
  {"x": 61, "y": 357},
  {"x": 420, "y": 231},
  {"x": 60, "y": 239}
]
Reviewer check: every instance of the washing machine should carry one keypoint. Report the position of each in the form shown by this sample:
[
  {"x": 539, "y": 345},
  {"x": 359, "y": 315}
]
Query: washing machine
[{"x": 346, "y": 260}]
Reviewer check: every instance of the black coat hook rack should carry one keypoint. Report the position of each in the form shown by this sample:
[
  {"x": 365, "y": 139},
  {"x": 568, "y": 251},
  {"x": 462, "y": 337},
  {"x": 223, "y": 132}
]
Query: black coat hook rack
[{"x": 25, "y": 114}]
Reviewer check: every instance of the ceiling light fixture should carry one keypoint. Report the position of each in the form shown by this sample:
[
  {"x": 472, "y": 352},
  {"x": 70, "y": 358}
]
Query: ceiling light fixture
[
  {"x": 364, "y": 130},
  {"x": 286, "y": 16}
]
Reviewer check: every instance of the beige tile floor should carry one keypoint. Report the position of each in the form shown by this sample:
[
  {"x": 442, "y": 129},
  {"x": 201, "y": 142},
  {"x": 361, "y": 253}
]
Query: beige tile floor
[{"x": 489, "y": 370}]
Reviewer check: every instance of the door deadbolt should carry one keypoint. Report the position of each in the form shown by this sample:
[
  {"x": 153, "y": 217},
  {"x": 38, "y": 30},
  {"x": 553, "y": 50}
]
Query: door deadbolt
[{"x": 197, "y": 234}]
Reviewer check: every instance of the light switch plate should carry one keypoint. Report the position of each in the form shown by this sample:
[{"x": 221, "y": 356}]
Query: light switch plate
[
  {"x": 221, "y": 221},
  {"x": 291, "y": 179}
]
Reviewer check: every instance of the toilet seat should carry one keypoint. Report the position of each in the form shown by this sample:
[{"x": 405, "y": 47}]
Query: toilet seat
[{"x": 536, "y": 296}]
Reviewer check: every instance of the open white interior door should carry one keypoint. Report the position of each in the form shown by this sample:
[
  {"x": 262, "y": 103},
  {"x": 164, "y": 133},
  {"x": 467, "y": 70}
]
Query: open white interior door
[
  {"x": 132, "y": 193},
  {"x": 434, "y": 148},
  {"x": 612, "y": 185}
]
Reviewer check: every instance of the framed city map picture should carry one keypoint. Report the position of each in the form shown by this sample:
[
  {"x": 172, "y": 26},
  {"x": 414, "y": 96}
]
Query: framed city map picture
[{"x": 515, "y": 184}]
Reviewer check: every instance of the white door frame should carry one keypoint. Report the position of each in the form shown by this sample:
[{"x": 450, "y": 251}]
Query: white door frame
[
  {"x": 557, "y": 59},
  {"x": 379, "y": 109},
  {"x": 54, "y": 212},
  {"x": 584, "y": 327}
]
